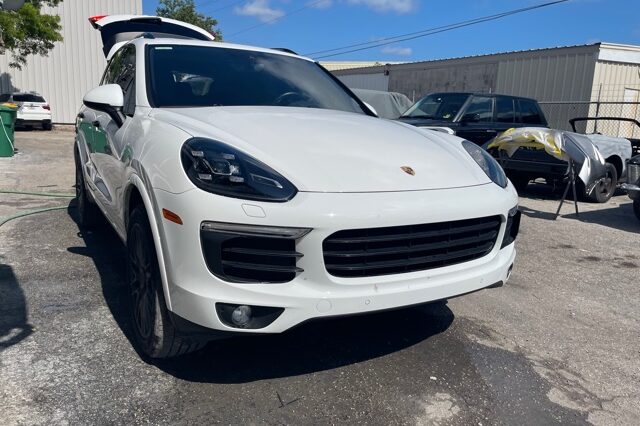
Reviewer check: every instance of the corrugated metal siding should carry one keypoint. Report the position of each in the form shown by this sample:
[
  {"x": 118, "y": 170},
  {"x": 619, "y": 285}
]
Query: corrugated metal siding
[
  {"x": 416, "y": 82},
  {"x": 612, "y": 78},
  {"x": 617, "y": 82},
  {"x": 74, "y": 66},
  {"x": 366, "y": 81},
  {"x": 552, "y": 77}
]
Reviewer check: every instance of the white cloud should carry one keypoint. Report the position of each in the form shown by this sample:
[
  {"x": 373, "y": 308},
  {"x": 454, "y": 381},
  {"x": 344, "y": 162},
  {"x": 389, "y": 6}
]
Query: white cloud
[
  {"x": 397, "y": 50},
  {"x": 321, "y": 4},
  {"x": 398, "y": 6},
  {"x": 260, "y": 9}
]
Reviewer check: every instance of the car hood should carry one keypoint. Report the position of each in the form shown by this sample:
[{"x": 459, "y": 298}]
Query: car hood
[{"x": 333, "y": 151}]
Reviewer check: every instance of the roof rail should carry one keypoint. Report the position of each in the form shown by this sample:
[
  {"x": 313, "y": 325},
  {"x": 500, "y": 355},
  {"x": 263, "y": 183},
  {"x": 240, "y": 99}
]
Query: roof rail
[{"x": 284, "y": 49}]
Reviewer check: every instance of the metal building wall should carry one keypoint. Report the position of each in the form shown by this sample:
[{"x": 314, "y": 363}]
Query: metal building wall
[
  {"x": 456, "y": 75},
  {"x": 616, "y": 88},
  {"x": 377, "y": 81},
  {"x": 558, "y": 78},
  {"x": 74, "y": 66},
  {"x": 561, "y": 74},
  {"x": 612, "y": 79}
]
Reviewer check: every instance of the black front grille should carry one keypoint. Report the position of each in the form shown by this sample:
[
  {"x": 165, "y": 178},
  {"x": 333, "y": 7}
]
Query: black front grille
[
  {"x": 400, "y": 249},
  {"x": 249, "y": 259}
]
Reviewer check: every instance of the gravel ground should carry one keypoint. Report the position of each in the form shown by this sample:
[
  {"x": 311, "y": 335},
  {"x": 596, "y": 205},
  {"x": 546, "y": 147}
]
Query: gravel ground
[{"x": 560, "y": 343}]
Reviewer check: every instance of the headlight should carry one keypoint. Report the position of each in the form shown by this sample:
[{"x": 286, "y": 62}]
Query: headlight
[
  {"x": 486, "y": 163},
  {"x": 218, "y": 168}
]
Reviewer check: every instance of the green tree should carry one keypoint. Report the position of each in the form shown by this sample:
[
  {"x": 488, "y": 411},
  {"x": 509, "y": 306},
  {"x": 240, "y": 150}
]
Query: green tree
[
  {"x": 27, "y": 31},
  {"x": 185, "y": 10}
]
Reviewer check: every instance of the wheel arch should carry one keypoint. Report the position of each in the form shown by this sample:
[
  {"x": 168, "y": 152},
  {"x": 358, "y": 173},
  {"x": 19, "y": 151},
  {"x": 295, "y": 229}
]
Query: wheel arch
[
  {"x": 136, "y": 194},
  {"x": 617, "y": 163}
]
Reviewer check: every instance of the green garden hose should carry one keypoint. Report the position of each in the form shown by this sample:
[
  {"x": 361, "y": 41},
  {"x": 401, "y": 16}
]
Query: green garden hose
[
  {"x": 41, "y": 194},
  {"x": 30, "y": 212}
]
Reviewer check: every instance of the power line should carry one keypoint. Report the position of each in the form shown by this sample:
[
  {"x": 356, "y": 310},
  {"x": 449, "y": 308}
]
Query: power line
[
  {"x": 235, "y": 3},
  {"x": 427, "y": 32},
  {"x": 278, "y": 18},
  {"x": 498, "y": 15}
]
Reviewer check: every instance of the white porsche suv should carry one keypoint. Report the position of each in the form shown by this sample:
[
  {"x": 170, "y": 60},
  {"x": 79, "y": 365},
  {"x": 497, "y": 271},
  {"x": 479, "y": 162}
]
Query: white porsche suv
[{"x": 255, "y": 192}]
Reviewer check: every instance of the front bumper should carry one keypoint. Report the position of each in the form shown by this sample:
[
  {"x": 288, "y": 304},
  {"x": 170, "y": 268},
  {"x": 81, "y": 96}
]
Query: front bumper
[
  {"x": 32, "y": 121},
  {"x": 194, "y": 290}
]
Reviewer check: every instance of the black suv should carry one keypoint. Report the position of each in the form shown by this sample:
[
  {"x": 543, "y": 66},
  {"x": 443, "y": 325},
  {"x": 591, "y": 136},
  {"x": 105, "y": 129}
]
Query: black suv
[{"x": 474, "y": 116}]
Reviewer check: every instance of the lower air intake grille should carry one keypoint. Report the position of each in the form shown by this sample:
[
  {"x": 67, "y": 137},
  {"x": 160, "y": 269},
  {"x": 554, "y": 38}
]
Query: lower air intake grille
[
  {"x": 401, "y": 249},
  {"x": 249, "y": 259}
]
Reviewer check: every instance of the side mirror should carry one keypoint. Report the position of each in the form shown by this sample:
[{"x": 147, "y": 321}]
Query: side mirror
[
  {"x": 372, "y": 109},
  {"x": 107, "y": 98}
]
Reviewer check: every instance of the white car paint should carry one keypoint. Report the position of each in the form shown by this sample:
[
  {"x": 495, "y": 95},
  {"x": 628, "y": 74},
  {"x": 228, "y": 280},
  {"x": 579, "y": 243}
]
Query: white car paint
[
  {"x": 109, "y": 92},
  {"x": 322, "y": 161},
  {"x": 347, "y": 168}
]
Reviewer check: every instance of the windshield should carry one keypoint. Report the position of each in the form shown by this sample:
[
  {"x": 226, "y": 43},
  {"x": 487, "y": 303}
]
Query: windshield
[
  {"x": 198, "y": 76},
  {"x": 439, "y": 106}
]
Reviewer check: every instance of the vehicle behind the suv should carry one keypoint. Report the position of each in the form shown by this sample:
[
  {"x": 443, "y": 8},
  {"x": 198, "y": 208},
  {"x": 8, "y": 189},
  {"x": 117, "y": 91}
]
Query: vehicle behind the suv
[
  {"x": 475, "y": 117},
  {"x": 33, "y": 109}
]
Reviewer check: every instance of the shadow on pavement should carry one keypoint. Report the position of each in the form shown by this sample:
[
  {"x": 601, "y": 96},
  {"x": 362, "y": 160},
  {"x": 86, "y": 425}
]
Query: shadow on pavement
[
  {"x": 618, "y": 216},
  {"x": 314, "y": 346},
  {"x": 14, "y": 326},
  {"x": 107, "y": 252}
]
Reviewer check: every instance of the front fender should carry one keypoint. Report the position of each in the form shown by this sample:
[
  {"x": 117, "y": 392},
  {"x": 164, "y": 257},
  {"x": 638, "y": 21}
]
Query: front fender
[{"x": 153, "y": 214}]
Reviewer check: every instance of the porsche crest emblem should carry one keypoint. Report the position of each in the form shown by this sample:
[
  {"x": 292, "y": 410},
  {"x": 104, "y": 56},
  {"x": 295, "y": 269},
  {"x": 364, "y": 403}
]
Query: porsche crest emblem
[{"x": 408, "y": 170}]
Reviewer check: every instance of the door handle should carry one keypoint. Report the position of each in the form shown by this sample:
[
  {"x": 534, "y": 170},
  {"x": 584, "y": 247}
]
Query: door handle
[{"x": 95, "y": 123}]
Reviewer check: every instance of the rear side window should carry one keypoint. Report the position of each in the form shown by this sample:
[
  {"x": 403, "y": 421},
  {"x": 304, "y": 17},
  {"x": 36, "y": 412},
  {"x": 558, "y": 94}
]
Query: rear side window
[
  {"x": 4, "y": 97},
  {"x": 505, "y": 112},
  {"x": 480, "y": 109},
  {"x": 529, "y": 112},
  {"x": 28, "y": 97}
]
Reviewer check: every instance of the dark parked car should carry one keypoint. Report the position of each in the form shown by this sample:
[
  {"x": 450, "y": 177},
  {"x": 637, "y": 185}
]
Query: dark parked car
[{"x": 474, "y": 116}]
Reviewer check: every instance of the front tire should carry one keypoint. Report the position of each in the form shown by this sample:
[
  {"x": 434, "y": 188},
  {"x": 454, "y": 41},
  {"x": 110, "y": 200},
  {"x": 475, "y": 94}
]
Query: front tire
[
  {"x": 88, "y": 212},
  {"x": 605, "y": 188},
  {"x": 153, "y": 331}
]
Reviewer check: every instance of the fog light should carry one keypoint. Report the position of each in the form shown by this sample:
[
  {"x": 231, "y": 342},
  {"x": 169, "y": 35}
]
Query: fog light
[
  {"x": 241, "y": 315},
  {"x": 247, "y": 317}
]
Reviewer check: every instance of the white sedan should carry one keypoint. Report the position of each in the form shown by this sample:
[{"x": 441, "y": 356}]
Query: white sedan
[{"x": 255, "y": 192}]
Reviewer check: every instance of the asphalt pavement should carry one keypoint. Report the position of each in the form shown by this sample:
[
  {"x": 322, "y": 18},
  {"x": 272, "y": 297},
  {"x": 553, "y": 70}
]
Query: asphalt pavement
[{"x": 560, "y": 343}]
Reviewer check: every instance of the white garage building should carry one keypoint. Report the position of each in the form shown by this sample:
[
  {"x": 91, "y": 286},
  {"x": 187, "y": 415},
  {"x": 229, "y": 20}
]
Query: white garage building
[{"x": 75, "y": 65}]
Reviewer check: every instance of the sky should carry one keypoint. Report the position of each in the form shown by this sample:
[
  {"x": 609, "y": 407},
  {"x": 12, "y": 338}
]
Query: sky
[{"x": 310, "y": 26}]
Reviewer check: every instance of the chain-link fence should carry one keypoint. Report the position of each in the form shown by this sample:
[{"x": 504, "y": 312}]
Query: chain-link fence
[{"x": 559, "y": 113}]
